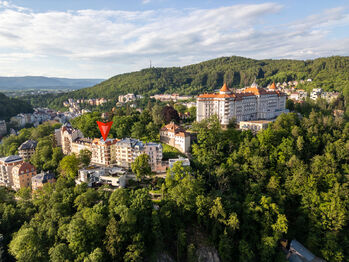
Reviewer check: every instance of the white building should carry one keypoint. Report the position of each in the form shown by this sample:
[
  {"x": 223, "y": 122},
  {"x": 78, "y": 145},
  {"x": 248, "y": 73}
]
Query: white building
[
  {"x": 128, "y": 149},
  {"x": 316, "y": 93},
  {"x": 254, "y": 125},
  {"x": 127, "y": 98},
  {"x": 175, "y": 136},
  {"x": 251, "y": 103},
  {"x": 185, "y": 161},
  {"x": 299, "y": 95},
  {"x": 6, "y": 166},
  {"x": 114, "y": 176}
]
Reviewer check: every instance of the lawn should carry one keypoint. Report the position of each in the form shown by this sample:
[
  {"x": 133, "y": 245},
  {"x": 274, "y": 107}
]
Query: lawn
[{"x": 170, "y": 152}]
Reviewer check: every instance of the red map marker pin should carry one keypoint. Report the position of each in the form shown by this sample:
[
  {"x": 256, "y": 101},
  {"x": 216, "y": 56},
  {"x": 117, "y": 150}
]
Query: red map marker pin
[{"x": 104, "y": 128}]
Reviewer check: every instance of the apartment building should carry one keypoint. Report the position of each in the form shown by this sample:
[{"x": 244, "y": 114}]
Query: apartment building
[
  {"x": 67, "y": 136},
  {"x": 251, "y": 103},
  {"x": 128, "y": 149},
  {"x": 27, "y": 149},
  {"x": 103, "y": 152},
  {"x": 6, "y": 166},
  {"x": 175, "y": 136},
  {"x": 81, "y": 144},
  {"x": 22, "y": 175}
]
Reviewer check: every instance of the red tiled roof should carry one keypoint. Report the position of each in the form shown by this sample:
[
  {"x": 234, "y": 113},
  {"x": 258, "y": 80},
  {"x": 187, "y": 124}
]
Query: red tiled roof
[
  {"x": 172, "y": 127},
  {"x": 26, "y": 168}
]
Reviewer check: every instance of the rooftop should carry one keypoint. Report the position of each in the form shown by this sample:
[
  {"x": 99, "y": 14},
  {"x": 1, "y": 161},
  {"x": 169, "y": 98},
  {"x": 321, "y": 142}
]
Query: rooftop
[
  {"x": 9, "y": 159},
  {"x": 29, "y": 144},
  {"x": 257, "y": 121},
  {"x": 43, "y": 177}
]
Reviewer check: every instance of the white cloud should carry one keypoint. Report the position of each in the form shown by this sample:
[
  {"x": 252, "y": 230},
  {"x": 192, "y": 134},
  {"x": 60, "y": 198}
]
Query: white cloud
[{"x": 115, "y": 41}]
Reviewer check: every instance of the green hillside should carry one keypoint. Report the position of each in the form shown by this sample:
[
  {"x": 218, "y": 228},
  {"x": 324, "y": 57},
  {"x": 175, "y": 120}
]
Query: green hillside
[
  {"x": 330, "y": 73},
  {"x": 11, "y": 106}
]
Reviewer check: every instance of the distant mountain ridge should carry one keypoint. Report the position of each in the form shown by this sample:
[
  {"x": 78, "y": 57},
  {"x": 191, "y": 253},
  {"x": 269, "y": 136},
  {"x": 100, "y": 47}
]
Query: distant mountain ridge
[{"x": 42, "y": 82}]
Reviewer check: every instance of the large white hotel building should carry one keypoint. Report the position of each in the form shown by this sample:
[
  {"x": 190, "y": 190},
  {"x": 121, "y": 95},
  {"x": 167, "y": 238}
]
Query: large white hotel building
[{"x": 251, "y": 103}]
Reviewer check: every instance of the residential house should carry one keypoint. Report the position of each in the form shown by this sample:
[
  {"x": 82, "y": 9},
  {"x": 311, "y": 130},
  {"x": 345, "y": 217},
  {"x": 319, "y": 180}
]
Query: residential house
[
  {"x": 114, "y": 176},
  {"x": 185, "y": 161},
  {"x": 175, "y": 136},
  {"x": 27, "y": 149},
  {"x": 316, "y": 93},
  {"x": 298, "y": 253},
  {"x": 254, "y": 125},
  {"x": 22, "y": 175},
  {"x": 41, "y": 179}
]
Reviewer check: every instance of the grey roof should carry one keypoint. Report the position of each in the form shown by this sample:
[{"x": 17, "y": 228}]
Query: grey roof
[
  {"x": 29, "y": 144},
  {"x": 43, "y": 177},
  {"x": 131, "y": 142},
  {"x": 9, "y": 159},
  {"x": 295, "y": 258},
  {"x": 305, "y": 254},
  {"x": 154, "y": 144}
]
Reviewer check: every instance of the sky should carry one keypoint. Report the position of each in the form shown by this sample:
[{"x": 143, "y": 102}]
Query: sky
[{"x": 99, "y": 39}]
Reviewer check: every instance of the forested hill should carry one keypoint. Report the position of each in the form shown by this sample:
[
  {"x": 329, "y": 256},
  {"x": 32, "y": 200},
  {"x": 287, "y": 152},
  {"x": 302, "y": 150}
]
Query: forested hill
[
  {"x": 330, "y": 73},
  {"x": 11, "y": 106}
]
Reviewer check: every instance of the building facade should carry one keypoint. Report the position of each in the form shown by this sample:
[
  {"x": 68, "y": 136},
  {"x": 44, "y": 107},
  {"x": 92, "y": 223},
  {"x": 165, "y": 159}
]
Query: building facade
[
  {"x": 6, "y": 166},
  {"x": 81, "y": 144},
  {"x": 128, "y": 149},
  {"x": 184, "y": 161},
  {"x": 27, "y": 149},
  {"x": 175, "y": 136},
  {"x": 254, "y": 125},
  {"x": 103, "y": 152},
  {"x": 22, "y": 175},
  {"x": 252, "y": 103},
  {"x": 67, "y": 137}
]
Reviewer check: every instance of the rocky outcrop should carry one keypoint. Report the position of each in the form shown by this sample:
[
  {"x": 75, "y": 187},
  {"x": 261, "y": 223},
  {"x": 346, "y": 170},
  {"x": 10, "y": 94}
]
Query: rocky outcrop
[
  {"x": 207, "y": 254},
  {"x": 164, "y": 257}
]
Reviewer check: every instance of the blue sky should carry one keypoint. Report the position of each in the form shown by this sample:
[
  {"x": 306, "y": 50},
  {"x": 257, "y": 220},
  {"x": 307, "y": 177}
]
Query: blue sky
[{"x": 99, "y": 39}]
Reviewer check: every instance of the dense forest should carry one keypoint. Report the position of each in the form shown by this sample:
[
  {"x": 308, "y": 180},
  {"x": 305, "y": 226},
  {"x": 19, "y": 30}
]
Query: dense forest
[
  {"x": 329, "y": 73},
  {"x": 242, "y": 194},
  {"x": 11, "y": 106}
]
